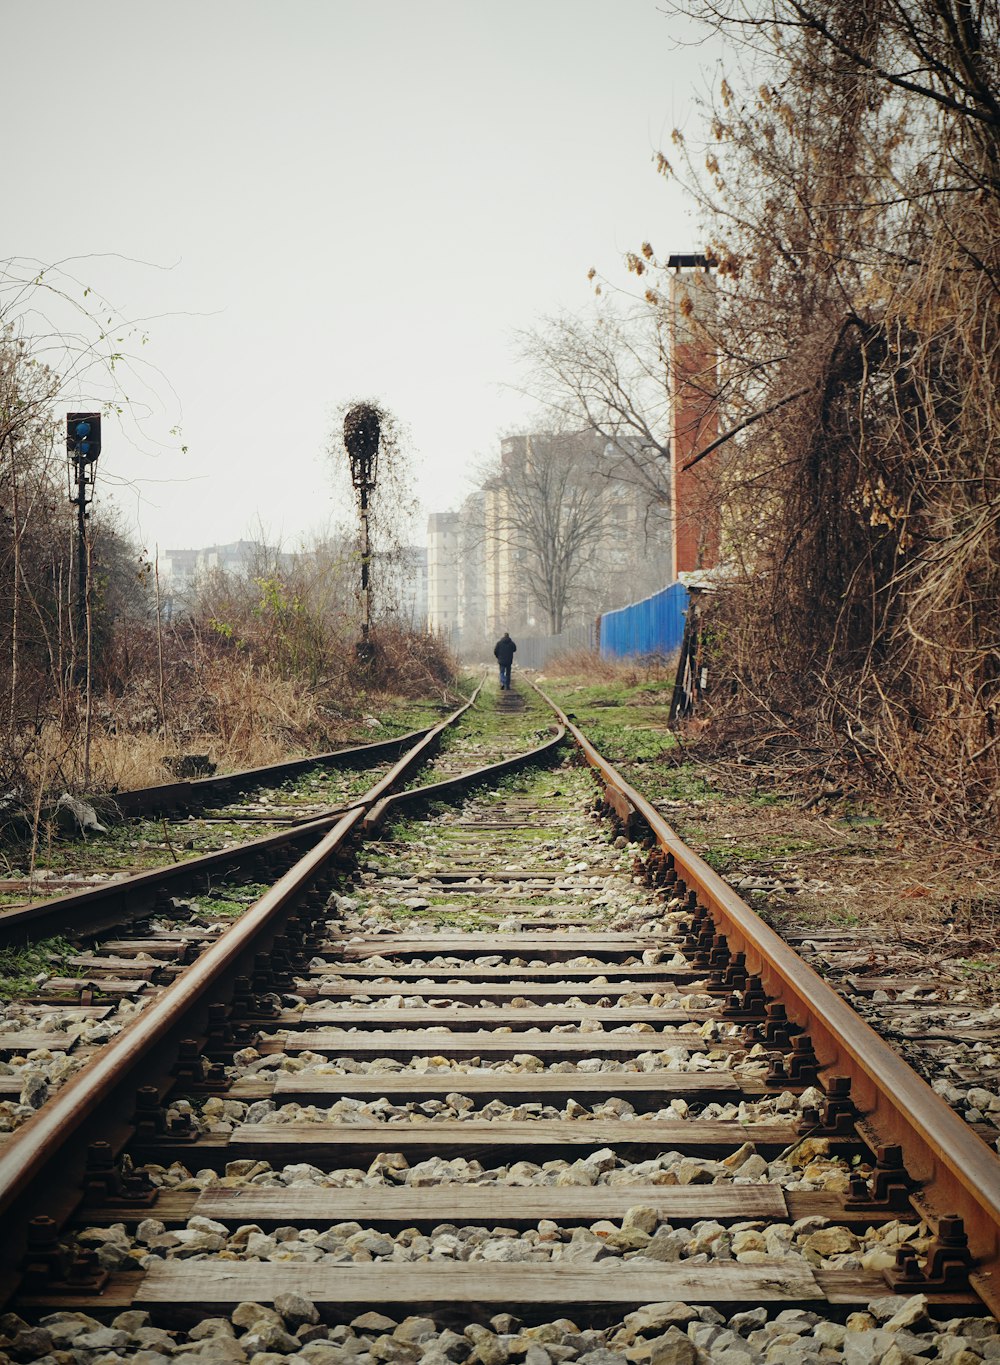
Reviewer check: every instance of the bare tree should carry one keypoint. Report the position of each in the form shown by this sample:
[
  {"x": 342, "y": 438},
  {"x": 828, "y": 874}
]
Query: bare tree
[
  {"x": 608, "y": 372},
  {"x": 546, "y": 504},
  {"x": 940, "y": 53}
]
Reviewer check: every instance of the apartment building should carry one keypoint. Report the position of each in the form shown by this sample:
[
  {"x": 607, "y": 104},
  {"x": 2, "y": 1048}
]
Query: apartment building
[
  {"x": 442, "y": 575},
  {"x": 483, "y": 575}
]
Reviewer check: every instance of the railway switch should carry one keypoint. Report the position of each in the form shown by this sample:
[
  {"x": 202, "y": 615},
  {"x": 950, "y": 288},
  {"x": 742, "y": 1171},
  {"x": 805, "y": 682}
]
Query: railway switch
[{"x": 565, "y": 957}]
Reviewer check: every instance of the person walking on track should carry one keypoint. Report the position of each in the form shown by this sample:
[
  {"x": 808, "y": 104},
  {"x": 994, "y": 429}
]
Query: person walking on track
[{"x": 504, "y": 650}]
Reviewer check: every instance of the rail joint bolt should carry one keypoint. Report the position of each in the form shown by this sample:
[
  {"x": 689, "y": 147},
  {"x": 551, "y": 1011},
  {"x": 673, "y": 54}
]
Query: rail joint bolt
[{"x": 948, "y": 1263}]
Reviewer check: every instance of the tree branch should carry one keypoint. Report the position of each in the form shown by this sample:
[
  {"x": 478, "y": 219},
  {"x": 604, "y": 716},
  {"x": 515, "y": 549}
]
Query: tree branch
[{"x": 747, "y": 422}]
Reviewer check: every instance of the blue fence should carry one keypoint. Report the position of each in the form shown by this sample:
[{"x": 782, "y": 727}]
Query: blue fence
[
  {"x": 536, "y": 651},
  {"x": 652, "y": 626}
]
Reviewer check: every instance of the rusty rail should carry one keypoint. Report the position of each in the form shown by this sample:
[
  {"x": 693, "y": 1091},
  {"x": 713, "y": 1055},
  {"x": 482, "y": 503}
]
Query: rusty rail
[
  {"x": 39, "y": 1148},
  {"x": 959, "y": 1173},
  {"x": 197, "y": 791},
  {"x": 99, "y": 907},
  {"x": 377, "y": 814}
]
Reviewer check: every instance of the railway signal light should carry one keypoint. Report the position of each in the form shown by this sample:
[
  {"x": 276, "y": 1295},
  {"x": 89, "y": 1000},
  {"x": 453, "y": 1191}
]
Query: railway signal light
[
  {"x": 83, "y": 436},
  {"x": 83, "y": 445}
]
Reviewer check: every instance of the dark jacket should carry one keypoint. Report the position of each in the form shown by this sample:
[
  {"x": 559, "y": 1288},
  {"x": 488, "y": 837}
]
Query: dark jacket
[{"x": 504, "y": 650}]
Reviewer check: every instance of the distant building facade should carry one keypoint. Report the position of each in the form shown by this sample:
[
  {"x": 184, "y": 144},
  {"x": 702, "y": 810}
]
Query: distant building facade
[
  {"x": 180, "y": 570},
  {"x": 481, "y": 559},
  {"x": 442, "y": 574},
  {"x": 456, "y": 574},
  {"x": 411, "y": 592},
  {"x": 182, "y": 567},
  {"x": 472, "y": 627}
]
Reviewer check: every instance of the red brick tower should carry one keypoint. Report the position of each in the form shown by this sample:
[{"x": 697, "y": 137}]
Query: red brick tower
[{"x": 694, "y": 420}]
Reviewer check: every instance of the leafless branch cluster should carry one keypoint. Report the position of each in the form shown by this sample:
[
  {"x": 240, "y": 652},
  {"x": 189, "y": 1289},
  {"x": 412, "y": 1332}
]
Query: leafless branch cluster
[
  {"x": 850, "y": 187},
  {"x": 548, "y": 510},
  {"x": 607, "y": 372}
]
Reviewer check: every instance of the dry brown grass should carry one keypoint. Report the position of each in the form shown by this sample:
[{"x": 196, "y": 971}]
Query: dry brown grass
[
  {"x": 590, "y": 667},
  {"x": 256, "y": 721},
  {"x": 219, "y": 702}
]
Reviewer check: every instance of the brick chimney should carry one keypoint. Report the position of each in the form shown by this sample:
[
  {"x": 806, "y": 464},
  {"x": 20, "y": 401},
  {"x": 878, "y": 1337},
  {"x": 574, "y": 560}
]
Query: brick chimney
[{"x": 694, "y": 419}]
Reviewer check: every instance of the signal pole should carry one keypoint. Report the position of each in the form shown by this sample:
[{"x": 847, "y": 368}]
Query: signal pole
[
  {"x": 83, "y": 445},
  {"x": 362, "y": 433}
]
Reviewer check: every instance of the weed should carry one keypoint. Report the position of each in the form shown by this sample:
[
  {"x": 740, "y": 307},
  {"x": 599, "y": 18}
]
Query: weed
[
  {"x": 230, "y": 902},
  {"x": 12, "y": 900},
  {"x": 680, "y": 783},
  {"x": 628, "y": 743},
  {"x": 719, "y": 859},
  {"x": 769, "y": 849},
  {"x": 19, "y": 967}
]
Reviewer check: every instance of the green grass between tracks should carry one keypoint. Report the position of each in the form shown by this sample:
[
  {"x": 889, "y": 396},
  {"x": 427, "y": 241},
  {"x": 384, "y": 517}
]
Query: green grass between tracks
[{"x": 21, "y": 967}]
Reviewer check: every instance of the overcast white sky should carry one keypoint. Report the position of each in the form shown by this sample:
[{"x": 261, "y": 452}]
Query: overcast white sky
[{"x": 338, "y": 199}]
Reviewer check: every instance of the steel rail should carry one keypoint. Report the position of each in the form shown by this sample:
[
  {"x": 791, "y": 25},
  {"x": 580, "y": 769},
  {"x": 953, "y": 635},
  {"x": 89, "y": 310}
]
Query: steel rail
[
  {"x": 197, "y": 791},
  {"x": 100, "y": 1090},
  {"x": 83, "y": 912},
  {"x": 419, "y": 751},
  {"x": 378, "y": 812},
  {"x": 40, "y": 1144},
  {"x": 957, "y": 1171}
]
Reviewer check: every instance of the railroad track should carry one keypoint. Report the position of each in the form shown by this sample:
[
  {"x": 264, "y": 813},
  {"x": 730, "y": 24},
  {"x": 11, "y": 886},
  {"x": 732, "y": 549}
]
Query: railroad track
[
  {"x": 483, "y": 1076},
  {"x": 181, "y": 821},
  {"x": 268, "y": 816},
  {"x": 122, "y": 943}
]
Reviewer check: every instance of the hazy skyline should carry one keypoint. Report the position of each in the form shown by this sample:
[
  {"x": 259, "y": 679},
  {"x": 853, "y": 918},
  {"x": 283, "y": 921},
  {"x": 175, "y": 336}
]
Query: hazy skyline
[{"x": 356, "y": 198}]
